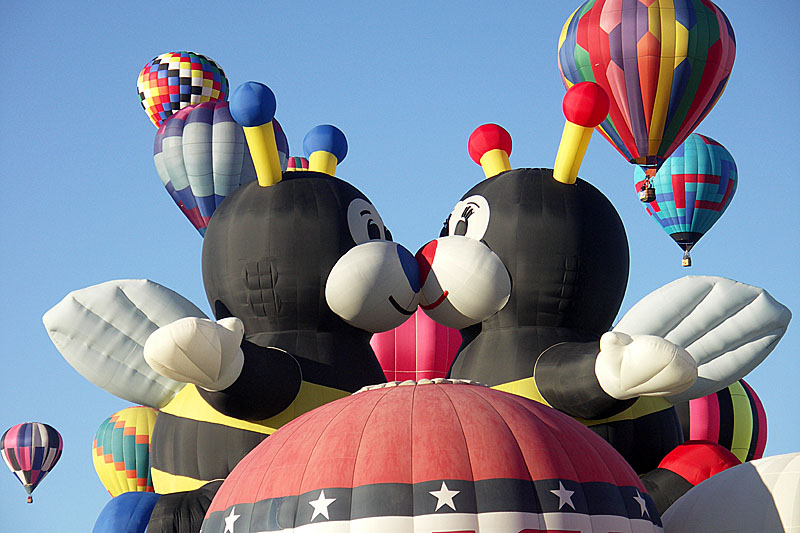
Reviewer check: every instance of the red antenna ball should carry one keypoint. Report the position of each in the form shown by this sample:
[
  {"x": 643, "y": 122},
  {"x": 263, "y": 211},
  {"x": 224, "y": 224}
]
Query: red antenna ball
[
  {"x": 586, "y": 104},
  {"x": 488, "y": 137}
]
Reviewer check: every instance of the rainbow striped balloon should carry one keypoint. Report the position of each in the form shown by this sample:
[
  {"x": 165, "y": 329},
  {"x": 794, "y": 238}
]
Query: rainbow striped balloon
[
  {"x": 121, "y": 450},
  {"x": 663, "y": 63}
]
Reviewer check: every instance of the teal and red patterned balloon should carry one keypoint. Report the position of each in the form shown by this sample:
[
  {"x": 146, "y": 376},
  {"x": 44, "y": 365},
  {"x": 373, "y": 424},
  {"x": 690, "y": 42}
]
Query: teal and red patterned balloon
[
  {"x": 693, "y": 188},
  {"x": 172, "y": 81},
  {"x": 121, "y": 450},
  {"x": 30, "y": 451},
  {"x": 663, "y": 63}
]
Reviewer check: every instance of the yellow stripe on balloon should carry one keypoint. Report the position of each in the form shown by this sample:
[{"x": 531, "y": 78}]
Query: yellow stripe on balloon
[
  {"x": 563, "y": 36},
  {"x": 742, "y": 421},
  {"x": 574, "y": 142},
  {"x": 668, "y": 28},
  {"x": 493, "y": 162},
  {"x": 166, "y": 483}
]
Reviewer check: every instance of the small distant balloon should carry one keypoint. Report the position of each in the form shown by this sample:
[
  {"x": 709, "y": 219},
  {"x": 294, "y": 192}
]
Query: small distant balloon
[
  {"x": 30, "y": 451},
  {"x": 174, "y": 80},
  {"x": 297, "y": 163}
]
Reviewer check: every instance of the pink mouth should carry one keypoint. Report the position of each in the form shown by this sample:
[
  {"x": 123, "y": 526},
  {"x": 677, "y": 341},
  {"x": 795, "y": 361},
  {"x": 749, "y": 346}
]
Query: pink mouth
[{"x": 437, "y": 303}]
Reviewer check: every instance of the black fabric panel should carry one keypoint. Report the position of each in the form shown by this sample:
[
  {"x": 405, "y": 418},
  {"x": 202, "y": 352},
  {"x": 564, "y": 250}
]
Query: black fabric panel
[
  {"x": 644, "y": 441},
  {"x": 267, "y": 254},
  {"x": 182, "y": 512},
  {"x": 565, "y": 377},
  {"x": 269, "y": 382},
  {"x": 682, "y": 409},
  {"x": 566, "y": 251},
  {"x": 751, "y": 450},
  {"x": 198, "y": 450},
  {"x": 664, "y": 487},
  {"x": 726, "y": 418}
]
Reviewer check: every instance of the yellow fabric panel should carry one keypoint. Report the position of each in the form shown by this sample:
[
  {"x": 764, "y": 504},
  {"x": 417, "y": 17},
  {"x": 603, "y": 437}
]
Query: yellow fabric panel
[
  {"x": 525, "y": 387},
  {"x": 742, "y": 421},
  {"x": 645, "y": 405},
  {"x": 166, "y": 483},
  {"x": 189, "y": 404}
]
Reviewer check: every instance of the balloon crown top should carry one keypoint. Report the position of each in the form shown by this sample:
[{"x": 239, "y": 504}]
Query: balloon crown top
[{"x": 411, "y": 382}]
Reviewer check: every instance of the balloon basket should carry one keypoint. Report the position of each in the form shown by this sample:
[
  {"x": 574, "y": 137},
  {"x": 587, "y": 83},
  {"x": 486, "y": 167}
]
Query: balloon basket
[
  {"x": 30, "y": 499},
  {"x": 687, "y": 260},
  {"x": 647, "y": 195}
]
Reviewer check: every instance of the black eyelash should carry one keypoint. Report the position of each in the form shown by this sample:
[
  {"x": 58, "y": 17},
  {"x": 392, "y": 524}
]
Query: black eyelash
[{"x": 468, "y": 212}]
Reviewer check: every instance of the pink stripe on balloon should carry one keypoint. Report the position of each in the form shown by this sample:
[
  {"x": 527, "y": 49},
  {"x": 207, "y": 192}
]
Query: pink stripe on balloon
[{"x": 704, "y": 418}]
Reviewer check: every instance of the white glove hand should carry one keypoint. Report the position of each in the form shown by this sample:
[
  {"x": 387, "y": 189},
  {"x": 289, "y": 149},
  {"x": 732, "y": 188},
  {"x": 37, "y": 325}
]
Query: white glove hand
[
  {"x": 198, "y": 351},
  {"x": 642, "y": 365}
]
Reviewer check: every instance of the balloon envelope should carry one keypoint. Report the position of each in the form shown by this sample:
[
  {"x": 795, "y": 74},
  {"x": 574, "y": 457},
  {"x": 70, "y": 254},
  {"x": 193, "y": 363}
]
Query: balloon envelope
[
  {"x": 432, "y": 457},
  {"x": 172, "y": 81},
  {"x": 30, "y": 451},
  {"x": 664, "y": 64},
  {"x": 201, "y": 156},
  {"x": 127, "y": 513},
  {"x": 693, "y": 187},
  {"x": 121, "y": 450}
]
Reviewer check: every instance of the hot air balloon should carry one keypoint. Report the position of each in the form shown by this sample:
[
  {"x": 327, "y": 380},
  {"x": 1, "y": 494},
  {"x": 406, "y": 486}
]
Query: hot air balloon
[
  {"x": 732, "y": 417},
  {"x": 435, "y": 456},
  {"x": 31, "y": 450},
  {"x": 664, "y": 64},
  {"x": 169, "y": 82},
  {"x": 127, "y": 513},
  {"x": 297, "y": 163},
  {"x": 201, "y": 155},
  {"x": 121, "y": 450},
  {"x": 693, "y": 188},
  {"x": 419, "y": 348}
]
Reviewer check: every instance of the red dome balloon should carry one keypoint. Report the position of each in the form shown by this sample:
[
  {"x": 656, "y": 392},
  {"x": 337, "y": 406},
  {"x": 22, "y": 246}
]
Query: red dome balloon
[
  {"x": 434, "y": 456},
  {"x": 417, "y": 349},
  {"x": 488, "y": 137}
]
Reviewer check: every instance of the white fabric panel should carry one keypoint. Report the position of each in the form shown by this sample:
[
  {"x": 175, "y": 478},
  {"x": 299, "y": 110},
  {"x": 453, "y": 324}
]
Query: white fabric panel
[
  {"x": 728, "y": 327},
  {"x": 101, "y": 331},
  {"x": 760, "y": 495}
]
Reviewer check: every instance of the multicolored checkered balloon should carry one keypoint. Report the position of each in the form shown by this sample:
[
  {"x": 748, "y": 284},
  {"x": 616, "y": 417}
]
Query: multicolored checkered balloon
[
  {"x": 174, "y": 80},
  {"x": 121, "y": 450}
]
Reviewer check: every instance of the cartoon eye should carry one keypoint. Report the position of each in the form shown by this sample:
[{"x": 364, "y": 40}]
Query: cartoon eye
[
  {"x": 470, "y": 217},
  {"x": 364, "y": 222}
]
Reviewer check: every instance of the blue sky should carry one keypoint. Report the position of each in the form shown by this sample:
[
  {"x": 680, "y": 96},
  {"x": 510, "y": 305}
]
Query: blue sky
[{"x": 407, "y": 83}]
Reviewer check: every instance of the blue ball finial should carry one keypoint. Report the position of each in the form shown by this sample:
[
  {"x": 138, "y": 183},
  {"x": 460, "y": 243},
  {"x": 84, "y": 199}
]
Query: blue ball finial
[
  {"x": 252, "y": 104},
  {"x": 326, "y": 138}
]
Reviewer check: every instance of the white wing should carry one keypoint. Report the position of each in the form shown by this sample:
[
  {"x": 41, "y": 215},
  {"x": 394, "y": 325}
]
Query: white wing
[
  {"x": 101, "y": 331},
  {"x": 728, "y": 327}
]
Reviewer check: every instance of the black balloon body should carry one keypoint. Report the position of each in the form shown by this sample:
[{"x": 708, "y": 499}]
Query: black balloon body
[
  {"x": 565, "y": 252},
  {"x": 268, "y": 255}
]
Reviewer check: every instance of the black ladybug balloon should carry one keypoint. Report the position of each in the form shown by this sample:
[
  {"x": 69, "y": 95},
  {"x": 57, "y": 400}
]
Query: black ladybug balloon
[
  {"x": 299, "y": 270},
  {"x": 433, "y": 456}
]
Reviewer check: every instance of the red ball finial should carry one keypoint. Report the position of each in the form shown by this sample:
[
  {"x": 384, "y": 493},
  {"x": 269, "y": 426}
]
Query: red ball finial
[
  {"x": 586, "y": 104},
  {"x": 488, "y": 137}
]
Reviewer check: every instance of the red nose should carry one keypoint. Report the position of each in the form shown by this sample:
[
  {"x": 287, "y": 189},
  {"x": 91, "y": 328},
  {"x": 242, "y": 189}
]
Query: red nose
[{"x": 425, "y": 259}]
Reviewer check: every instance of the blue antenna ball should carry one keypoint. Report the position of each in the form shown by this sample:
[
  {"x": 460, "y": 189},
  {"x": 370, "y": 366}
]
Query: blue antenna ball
[
  {"x": 252, "y": 104},
  {"x": 326, "y": 138}
]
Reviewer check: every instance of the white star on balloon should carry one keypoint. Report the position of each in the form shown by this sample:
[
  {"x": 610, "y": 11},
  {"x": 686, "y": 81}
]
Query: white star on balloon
[
  {"x": 564, "y": 496},
  {"x": 230, "y": 519},
  {"x": 320, "y": 505},
  {"x": 444, "y": 496},
  {"x": 642, "y": 503}
]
